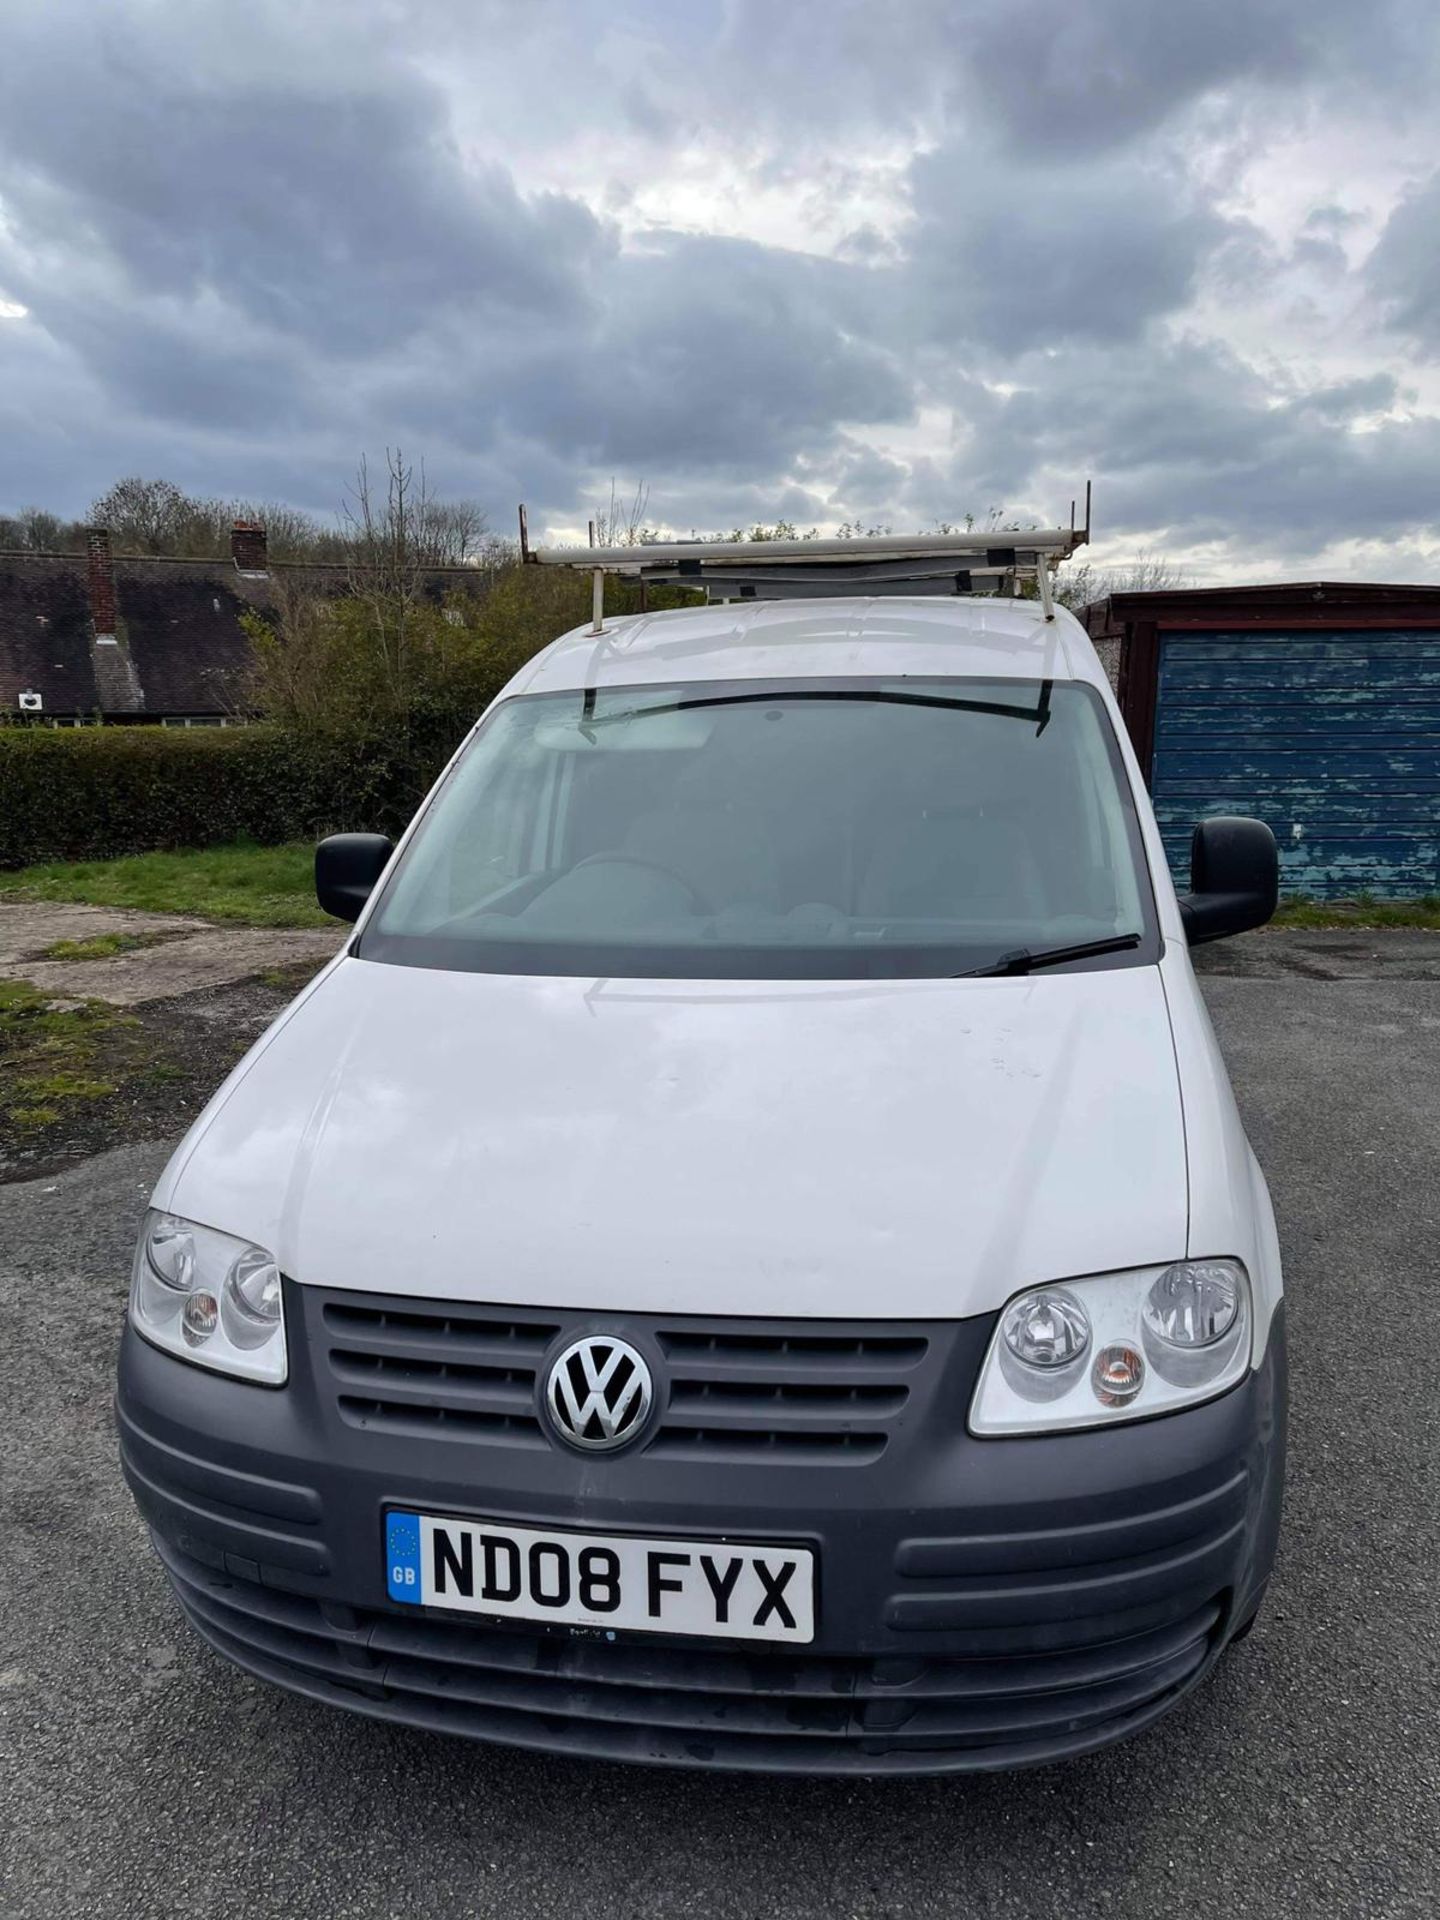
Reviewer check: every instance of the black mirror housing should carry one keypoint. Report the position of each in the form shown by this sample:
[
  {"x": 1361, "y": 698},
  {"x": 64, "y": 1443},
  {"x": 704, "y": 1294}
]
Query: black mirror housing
[
  {"x": 1234, "y": 878},
  {"x": 347, "y": 865}
]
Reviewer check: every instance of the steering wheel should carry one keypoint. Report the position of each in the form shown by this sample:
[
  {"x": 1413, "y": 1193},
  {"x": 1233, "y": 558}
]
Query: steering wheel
[{"x": 652, "y": 866}]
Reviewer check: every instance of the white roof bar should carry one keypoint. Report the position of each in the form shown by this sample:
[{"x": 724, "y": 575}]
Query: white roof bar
[
  {"x": 976, "y": 560},
  {"x": 777, "y": 553}
]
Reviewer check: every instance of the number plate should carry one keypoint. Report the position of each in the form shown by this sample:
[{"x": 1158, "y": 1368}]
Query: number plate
[{"x": 601, "y": 1580}]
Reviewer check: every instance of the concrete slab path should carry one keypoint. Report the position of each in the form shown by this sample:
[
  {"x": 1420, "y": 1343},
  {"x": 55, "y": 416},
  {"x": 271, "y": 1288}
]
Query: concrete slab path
[{"x": 188, "y": 955}]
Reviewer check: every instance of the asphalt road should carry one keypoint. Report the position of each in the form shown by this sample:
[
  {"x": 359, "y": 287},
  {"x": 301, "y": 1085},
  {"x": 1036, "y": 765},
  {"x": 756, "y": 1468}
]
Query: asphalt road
[{"x": 140, "y": 1775}]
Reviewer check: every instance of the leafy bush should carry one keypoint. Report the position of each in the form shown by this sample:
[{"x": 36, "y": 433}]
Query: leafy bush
[
  {"x": 388, "y": 657},
  {"x": 374, "y": 691}
]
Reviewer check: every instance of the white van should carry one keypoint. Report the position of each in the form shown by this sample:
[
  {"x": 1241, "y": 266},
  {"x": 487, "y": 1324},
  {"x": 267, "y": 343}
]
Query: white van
[{"x": 749, "y": 1257}]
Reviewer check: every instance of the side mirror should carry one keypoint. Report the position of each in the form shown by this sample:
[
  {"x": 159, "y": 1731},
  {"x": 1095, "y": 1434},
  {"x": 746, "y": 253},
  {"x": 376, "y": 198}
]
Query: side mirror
[
  {"x": 347, "y": 865},
  {"x": 1234, "y": 878}
]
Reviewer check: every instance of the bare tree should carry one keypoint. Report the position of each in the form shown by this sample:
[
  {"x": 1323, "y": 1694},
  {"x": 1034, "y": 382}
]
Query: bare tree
[
  {"x": 150, "y": 516},
  {"x": 290, "y": 675},
  {"x": 450, "y": 533},
  {"x": 147, "y": 516},
  {"x": 391, "y": 542},
  {"x": 37, "y": 530},
  {"x": 622, "y": 523},
  {"x": 1081, "y": 585}
]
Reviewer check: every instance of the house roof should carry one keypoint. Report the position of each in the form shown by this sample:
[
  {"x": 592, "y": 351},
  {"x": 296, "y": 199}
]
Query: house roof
[
  {"x": 180, "y": 620},
  {"x": 45, "y": 634},
  {"x": 187, "y": 645}
]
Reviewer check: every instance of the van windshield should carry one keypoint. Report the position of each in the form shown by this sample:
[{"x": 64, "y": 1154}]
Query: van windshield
[{"x": 748, "y": 830}]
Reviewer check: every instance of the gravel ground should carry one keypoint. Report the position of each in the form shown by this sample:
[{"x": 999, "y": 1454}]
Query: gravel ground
[
  {"x": 163, "y": 1061},
  {"x": 141, "y": 1776}
]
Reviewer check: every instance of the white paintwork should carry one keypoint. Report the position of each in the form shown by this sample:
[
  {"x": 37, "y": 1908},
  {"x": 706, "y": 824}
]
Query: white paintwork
[
  {"x": 904, "y": 1148},
  {"x": 901, "y": 1149},
  {"x": 798, "y": 639}
]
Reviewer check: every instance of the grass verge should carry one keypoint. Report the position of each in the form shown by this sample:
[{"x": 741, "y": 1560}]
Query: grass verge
[
  {"x": 238, "y": 885},
  {"x": 1364, "y": 911}
]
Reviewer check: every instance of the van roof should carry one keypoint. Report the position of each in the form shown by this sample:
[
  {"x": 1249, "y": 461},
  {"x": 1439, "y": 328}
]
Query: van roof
[{"x": 955, "y": 637}]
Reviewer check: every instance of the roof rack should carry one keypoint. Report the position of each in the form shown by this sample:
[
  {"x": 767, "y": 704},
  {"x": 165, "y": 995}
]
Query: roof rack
[{"x": 973, "y": 560}]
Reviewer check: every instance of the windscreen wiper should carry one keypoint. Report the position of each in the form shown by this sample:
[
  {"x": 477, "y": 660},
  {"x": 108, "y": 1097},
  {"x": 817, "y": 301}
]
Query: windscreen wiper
[
  {"x": 872, "y": 696},
  {"x": 1022, "y": 960}
]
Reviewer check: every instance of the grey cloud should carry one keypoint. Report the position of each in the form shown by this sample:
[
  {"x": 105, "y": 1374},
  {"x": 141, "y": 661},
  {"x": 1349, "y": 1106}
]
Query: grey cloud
[
  {"x": 647, "y": 115},
  {"x": 1052, "y": 255},
  {"x": 1404, "y": 269},
  {"x": 1304, "y": 487},
  {"x": 1331, "y": 220},
  {"x": 818, "y": 63},
  {"x": 871, "y": 482},
  {"x": 65, "y": 433},
  {"x": 276, "y": 256},
  {"x": 1326, "y": 256},
  {"x": 1071, "y": 80},
  {"x": 1038, "y": 77},
  {"x": 345, "y": 218},
  {"x": 868, "y": 246},
  {"x": 1348, "y": 400},
  {"x": 1078, "y": 80},
  {"x": 710, "y": 354},
  {"x": 194, "y": 368},
  {"x": 1187, "y": 438}
]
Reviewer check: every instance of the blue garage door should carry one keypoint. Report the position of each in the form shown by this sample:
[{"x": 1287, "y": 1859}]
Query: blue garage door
[{"x": 1333, "y": 739}]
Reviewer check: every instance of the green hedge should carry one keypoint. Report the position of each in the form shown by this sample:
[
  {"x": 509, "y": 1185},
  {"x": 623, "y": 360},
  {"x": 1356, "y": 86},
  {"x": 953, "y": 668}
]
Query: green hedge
[{"x": 94, "y": 793}]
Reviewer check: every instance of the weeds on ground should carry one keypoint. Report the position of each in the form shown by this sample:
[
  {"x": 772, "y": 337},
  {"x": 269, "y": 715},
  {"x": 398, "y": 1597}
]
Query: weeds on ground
[
  {"x": 48, "y": 1053},
  {"x": 100, "y": 946},
  {"x": 1364, "y": 911}
]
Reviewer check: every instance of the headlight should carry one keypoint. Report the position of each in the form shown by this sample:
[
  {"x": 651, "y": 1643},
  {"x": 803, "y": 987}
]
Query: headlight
[
  {"x": 209, "y": 1297},
  {"x": 1044, "y": 1338},
  {"x": 1118, "y": 1347}
]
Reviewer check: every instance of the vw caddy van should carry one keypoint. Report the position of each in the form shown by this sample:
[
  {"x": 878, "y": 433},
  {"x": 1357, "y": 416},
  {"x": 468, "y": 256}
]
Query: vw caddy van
[{"x": 748, "y": 1258}]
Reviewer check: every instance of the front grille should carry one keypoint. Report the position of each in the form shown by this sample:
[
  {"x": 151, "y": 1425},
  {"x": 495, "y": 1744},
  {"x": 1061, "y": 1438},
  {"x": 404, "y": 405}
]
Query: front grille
[
  {"x": 757, "y": 1708},
  {"x": 408, "y": 1369},
  {"x": 728, "y": 1389},
  {"x": 743, "y": 1389}
]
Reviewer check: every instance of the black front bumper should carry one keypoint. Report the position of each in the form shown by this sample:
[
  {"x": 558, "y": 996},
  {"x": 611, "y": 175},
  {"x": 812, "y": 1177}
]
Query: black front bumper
[{"x": 982, "y": 1604}]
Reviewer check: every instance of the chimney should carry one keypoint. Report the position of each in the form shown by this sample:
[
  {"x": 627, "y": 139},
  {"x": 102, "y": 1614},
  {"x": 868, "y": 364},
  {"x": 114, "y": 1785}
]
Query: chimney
[
  {"x": 117, "y": 685},
  {"x": 247, "y": 547},
  {"x": 103, "y": 612}
]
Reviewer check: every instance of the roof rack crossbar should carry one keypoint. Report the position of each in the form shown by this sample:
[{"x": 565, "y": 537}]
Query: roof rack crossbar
[
  {"x": 1000, "y": 547},
  {"x": 861, "y": 574},
  {"x": 971, "y": 560}
]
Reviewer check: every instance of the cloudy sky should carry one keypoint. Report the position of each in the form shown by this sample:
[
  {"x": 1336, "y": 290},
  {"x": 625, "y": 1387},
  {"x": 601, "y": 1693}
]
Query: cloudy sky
[{"x": 893, "y": 260}]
